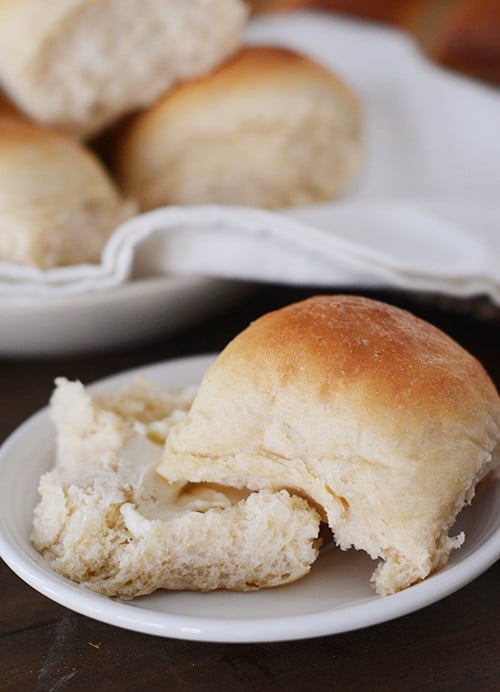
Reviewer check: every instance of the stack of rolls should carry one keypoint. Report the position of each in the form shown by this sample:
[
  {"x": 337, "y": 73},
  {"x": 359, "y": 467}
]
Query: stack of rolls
[
  {"x": 192, "y": 114},
  {"x": 184, "y": 111}
]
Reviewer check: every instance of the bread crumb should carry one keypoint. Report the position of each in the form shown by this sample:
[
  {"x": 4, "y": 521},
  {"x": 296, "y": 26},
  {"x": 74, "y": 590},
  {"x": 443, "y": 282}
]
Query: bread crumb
[{"x": 106, "y": 519}]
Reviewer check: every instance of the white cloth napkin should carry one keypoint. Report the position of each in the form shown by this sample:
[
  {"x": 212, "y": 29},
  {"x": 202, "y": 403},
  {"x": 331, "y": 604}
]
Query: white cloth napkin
[
  {"x": 424, "y": 215},
  {"x": 330, "y": 249}
]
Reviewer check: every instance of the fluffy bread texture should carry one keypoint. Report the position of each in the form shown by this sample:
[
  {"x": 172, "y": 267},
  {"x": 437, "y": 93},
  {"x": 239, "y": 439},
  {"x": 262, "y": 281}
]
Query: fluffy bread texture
[
  {"x": 58, "y": 205},
  {"x": 107, "y": 520},
  {"x": 269, "y": 128},
  {"x": 80, "y": 64},
  {"x": 381, "y": 420}
]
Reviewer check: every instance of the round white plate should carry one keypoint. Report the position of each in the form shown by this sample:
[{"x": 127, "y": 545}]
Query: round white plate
[
  {"x": 334, "y": 597},
  {"x": 97, "y": 320}
]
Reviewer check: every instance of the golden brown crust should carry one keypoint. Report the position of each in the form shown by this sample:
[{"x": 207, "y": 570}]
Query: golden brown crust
[
  {"x": 260, "y": 62},
  {"x": 378, "y": 417},
  {"x": 264, "y": 65},
  {"x": 369, "y": 367},
  {"x": 343, "y": 340},
  {"x": 15, "y": 131},
  {"x": 269, "y": 128}
]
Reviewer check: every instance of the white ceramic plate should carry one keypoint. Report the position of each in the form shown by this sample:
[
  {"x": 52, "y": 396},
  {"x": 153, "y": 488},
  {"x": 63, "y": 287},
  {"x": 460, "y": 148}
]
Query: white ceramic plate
[
  {"x": 98, "y": 320},
  {"x": 334, "y": 597}
]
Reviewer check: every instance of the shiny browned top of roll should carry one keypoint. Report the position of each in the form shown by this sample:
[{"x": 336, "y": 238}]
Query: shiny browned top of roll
[{"x": 378, "y": 417}]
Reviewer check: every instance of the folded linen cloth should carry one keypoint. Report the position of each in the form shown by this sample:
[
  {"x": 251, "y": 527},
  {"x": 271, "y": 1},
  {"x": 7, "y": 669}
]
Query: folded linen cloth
[
  {"x": 414, "y": 246},
  {"x": 424, "y": 214}
]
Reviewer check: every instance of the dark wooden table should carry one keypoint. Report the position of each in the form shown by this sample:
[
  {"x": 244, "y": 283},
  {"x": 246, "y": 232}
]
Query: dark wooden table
[{"x": 451, "y": 645}]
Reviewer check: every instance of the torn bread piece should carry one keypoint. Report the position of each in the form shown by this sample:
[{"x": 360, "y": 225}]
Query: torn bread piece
[
  {"x": 380, "y": 419},
  {"x": 107, "y": 520}
]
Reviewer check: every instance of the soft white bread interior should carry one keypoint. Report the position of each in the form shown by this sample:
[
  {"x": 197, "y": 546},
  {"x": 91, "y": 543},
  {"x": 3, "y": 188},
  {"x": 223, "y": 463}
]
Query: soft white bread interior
[
  {"x": 80, "y": 64},
  {"x": 380, "y": 419},
  {"x": 107, "y": 520},
  {"x": 269, "y": 128},
  {"x": 58, "y": 205}
]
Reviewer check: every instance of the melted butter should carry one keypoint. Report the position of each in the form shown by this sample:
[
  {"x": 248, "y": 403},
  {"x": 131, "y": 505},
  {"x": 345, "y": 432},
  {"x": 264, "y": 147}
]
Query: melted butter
[
  {"x": 120, "y": 464},
  {"x": 158, "y": 430},
  {"x": 154, "y": 498}
]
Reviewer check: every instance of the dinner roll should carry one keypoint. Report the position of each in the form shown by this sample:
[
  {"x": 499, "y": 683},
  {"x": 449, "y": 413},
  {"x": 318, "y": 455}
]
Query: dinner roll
[
  {"x": 58, "y": 205},
  {"x": 381, "y": 420},
  {"x": 270, "y": 128},
  {"x": 107, "y": 520},
  {"x": 80, "y": 64}
]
